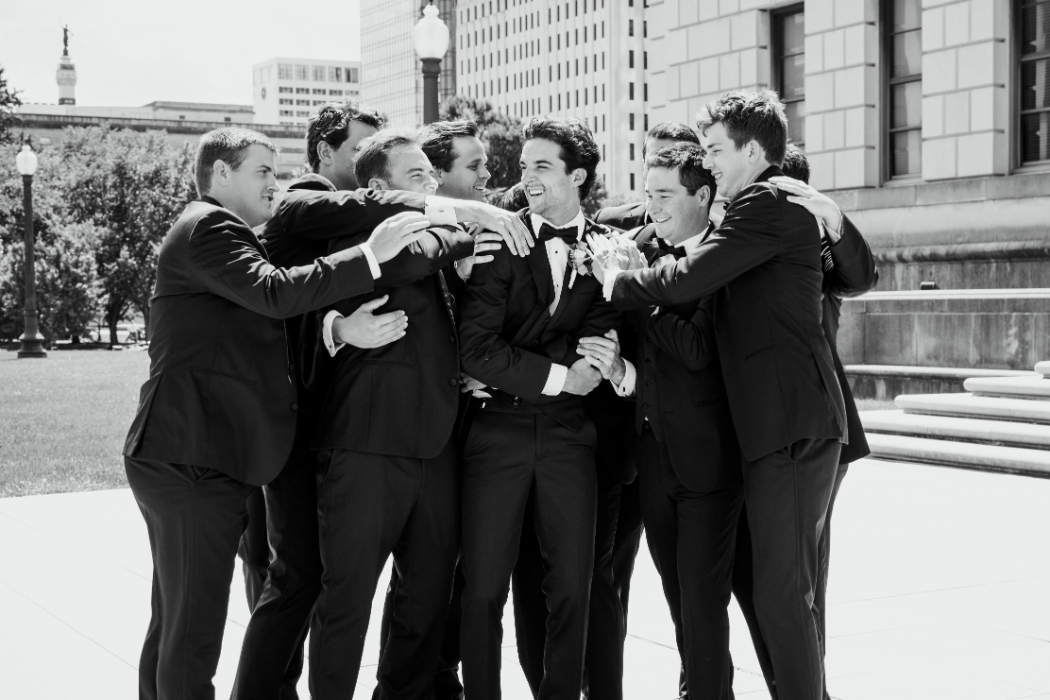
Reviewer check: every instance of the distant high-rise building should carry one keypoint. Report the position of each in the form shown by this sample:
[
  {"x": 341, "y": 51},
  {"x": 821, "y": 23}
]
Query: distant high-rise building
[
  {"x": 583, "y": 58},
  {"x": 66, "y": 75},
  {"x": 392, "y": 75},
  {"x": 288, "y": 90}
]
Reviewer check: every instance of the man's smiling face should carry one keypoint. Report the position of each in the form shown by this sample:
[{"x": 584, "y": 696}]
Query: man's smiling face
[
  {"x": 553, "y": 191},
  {"x": 678, "y": 215},
  {"x": 730, "y": 165},
  {"x": 409, "y": 170},
  {"x": 469, "y": 173},
  {"x": 251, "y": 187}
]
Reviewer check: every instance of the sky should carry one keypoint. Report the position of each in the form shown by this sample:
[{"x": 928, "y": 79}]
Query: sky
[{"x": 132, "y": 52}]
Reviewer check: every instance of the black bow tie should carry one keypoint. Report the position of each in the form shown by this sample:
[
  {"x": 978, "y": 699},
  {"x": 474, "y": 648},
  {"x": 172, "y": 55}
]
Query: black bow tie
[
  {"x": 569, "y": 234},
  {"x": 668, "y": 249}
]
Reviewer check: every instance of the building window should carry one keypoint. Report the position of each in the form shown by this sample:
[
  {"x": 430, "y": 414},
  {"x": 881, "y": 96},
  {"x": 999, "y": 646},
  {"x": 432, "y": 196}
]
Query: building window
[
  {"x": 337, "y": 93},
  {"x": 284, "y": 71},
  {"x": 335, "y": 74},
  {"x": 285, "y": 113},
  {"x": 630, "y": 121},
  {"x": 284, "y": 90},
  {"x": 302, "y": 72},
  {"x": 632, "y": 178},
  {"x": 630, "y": 27},
  {"x": 630, "y": 90},
  {"x": 285, "y": 101},
  {"x": 631, "y": 151},
  {"x": 320, "y": 91},
  {"x": 630, "y": 59},
  {"x": 1035, "y": 81},
  {"x": 789, "y": 67},
  {"x": 903, "y": 54},
  {"x": 302, "y": 91}
]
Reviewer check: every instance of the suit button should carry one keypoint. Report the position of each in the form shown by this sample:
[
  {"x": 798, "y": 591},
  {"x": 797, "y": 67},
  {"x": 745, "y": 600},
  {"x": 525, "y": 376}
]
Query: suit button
[
  {"x": 516, "y": 403},
  {"x": 648, "y": 383},
  {"x": 454, "y": 381},
  {"x": 452, "y": 339},
  {"x": 645, "y": 405},
  {"x": 295, "y": 407}
]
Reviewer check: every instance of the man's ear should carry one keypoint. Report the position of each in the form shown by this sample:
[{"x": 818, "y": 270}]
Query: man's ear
[
  {"x": 438, "y": 175},
  {"x": 324, "y": 152},
  {"x": 377, "y": 183},
  {"x": 754, "y": 152},
  {"x": 579, "y": 176},
  {"x": 220, "y": 173},
  {"x": 703, "y": 196}
]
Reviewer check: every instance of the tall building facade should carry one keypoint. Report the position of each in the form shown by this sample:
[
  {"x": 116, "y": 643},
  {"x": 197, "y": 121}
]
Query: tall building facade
[
  {"x": 581, "y": 58},
  {"x": 392, "y": 73},
  {"x": 288, "y": 90}
]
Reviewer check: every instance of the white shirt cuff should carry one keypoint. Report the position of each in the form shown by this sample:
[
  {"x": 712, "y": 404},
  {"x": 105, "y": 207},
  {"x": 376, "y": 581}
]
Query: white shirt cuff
[
  {"x": 630, "y": 379},
  {"x": 326, "y": 333},
  {"x": 440, "y": 214},
  {"x": 555, "y": 380},
  {"x": 610, "y": 280},
  {"x": 373, "y": 264}
]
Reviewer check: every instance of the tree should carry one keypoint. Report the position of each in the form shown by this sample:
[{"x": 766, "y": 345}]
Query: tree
[
  {"x": 130, "y": 186},
  {"x": 597, "y": 198},
  {"x": 9, "y": 100},
  {"x": 501, "y": 134}
]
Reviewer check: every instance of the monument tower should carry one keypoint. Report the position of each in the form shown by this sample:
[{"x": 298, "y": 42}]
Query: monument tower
[{"x": 66, "y": 75}]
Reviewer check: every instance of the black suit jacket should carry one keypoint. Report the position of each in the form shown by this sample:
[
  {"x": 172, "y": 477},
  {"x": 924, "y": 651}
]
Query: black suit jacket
[
  {"x": 400, "y": 399},
  {"x": 763, "y": 267},
  {"x": 625, "y": 217},
  {"x": 680, "y": 389},
  {"x": 854, "y": 273},
  {"x": 509, "y": 339},
  {"x": 220, "y": 393}
]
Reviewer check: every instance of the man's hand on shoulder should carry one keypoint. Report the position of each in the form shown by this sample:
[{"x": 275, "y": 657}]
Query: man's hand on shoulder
[
  {"x": 393, "y": 235},
  {"x": 581, "y": 379},
  {"x": 819, "y": 205},
  {"x": 511, "y": 229}
]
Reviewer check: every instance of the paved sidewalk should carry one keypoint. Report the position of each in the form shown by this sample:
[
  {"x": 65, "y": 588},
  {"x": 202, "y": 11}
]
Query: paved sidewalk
[{"x": 940, "y": 588}]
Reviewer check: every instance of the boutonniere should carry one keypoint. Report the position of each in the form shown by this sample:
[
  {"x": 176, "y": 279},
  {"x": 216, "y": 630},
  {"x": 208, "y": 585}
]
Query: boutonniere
[{"x": 579, "y": 260}]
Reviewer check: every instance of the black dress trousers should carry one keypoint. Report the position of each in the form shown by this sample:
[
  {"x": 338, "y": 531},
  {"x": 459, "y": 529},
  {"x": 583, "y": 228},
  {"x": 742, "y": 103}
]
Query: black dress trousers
[
  {"x": 369, "y": 507},
  {"x": 253, "y": 549},
  {"x": 692, "y": 536},
  {"x": 271, "y": 659},
  {"x": 788, "y": 493},
  {"x": 511, "y": 457},
  {"x": 194, "y": 517}
]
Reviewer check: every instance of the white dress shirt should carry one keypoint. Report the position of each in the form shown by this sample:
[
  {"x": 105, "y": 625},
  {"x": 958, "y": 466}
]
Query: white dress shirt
[
  {"x": 628, "y": 386},
  {"x": 558, "y": 255}
]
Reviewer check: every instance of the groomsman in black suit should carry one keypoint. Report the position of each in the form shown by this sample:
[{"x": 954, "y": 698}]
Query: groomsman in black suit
[
  {"x": 849, "y": 270},
  {"x": 389, "y": 476},
  {"x": 532, "y": 439},
  {"x": 285, "y": 589},
  {"x": 459, "y": 161},
  {"x": 763, "y": 266},
  {"x": 217, "y": 416}
]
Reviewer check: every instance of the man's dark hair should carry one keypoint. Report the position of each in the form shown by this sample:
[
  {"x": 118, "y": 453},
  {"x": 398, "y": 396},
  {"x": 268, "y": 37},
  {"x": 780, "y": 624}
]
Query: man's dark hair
[
  {"x": 373, "y": 158},
  {"x": 437, "y": 141},
  {"x": 688, "y": 160},
  {"x": 750, "y": 116},
  {"x": 228, "y": 145},
  {"x": 510, "y": 199},
  {"x": 671, "y": 131},
  {"x": 578, "y": 148},
  {"x": 796, "y": 164},
  {"x": 331, "y": 124}
]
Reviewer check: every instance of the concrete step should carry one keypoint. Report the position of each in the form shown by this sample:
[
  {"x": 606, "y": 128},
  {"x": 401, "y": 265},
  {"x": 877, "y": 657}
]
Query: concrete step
[
  {"x": 887, "y": 381},
  {"x": 970, "y": 406},
  {"x": 1043, "y": 367},
  {"x": 968, "y": 455},
  {"x": 1036, "y": 387},
  {"x": 1030, "y": 435}
]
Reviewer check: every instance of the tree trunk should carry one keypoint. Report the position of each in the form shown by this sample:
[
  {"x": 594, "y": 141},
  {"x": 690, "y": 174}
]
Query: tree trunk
[
  {"x": 144, "y": 308},
  {"x": 113, "y": 314}
]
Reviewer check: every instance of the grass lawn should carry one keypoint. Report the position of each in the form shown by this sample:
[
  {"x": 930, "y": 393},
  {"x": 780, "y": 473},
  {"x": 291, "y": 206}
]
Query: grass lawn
[{"x": 63, "y": 419}]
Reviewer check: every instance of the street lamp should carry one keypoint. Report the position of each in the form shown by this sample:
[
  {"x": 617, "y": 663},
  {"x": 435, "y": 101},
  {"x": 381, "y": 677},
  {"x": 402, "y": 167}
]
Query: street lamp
[
  {"x": 431, "y": 41},
  {"x": 32, "y": 341}
]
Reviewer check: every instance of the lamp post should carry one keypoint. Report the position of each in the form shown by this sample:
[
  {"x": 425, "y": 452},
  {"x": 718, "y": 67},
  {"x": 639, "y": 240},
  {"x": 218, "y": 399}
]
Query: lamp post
[
  {"x": 430, "y": 38},
  {"x": 32, "y": 341}
]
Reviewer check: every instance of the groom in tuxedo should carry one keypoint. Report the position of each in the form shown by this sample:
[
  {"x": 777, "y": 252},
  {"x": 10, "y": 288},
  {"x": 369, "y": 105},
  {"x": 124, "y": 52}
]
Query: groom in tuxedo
[
  {"x": 532, "y": 439},
  {"x": 763, "y": 266}
]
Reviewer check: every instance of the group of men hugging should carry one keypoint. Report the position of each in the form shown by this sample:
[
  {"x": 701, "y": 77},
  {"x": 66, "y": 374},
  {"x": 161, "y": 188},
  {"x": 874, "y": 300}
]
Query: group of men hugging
[{"x": 497, "y": 396}]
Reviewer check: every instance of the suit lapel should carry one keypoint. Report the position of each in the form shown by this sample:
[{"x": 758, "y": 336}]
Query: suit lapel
[{"x": 589, "y": 227}]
